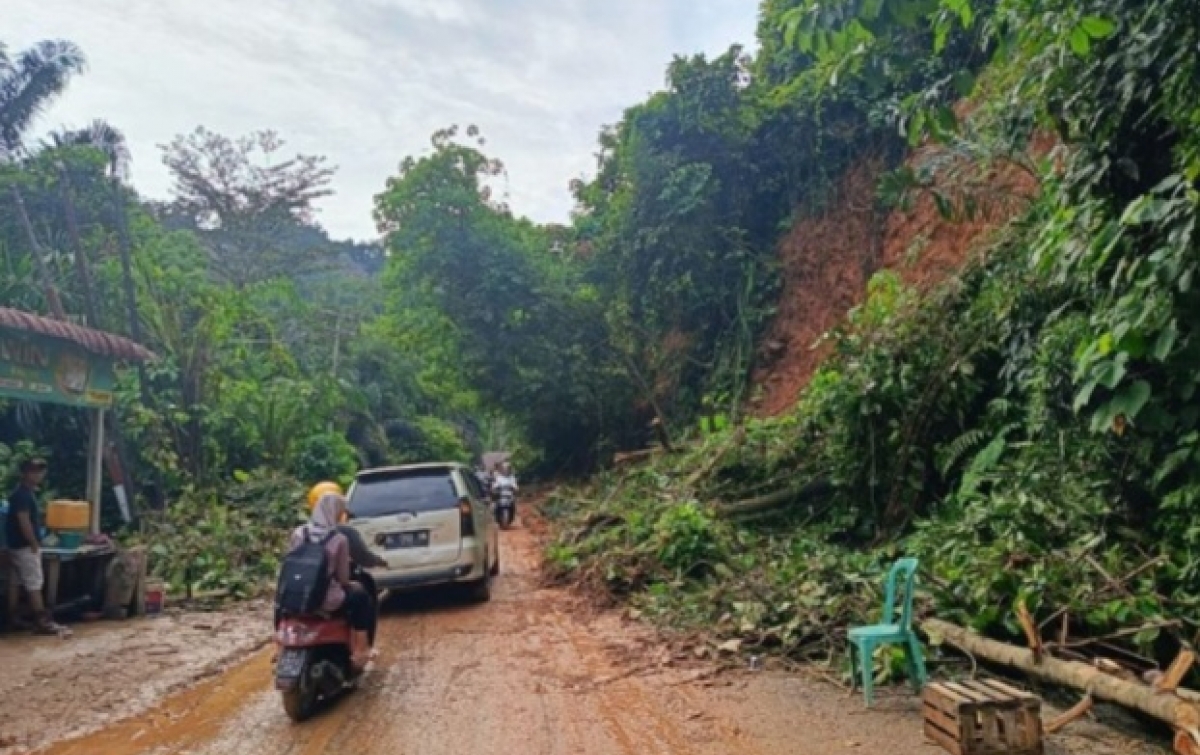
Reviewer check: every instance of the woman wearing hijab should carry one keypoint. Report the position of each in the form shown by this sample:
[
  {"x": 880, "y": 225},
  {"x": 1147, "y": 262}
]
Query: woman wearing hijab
[{"x": 343, "y": 594}]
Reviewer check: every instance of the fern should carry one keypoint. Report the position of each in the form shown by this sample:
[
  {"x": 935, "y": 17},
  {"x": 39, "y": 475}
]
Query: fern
[
  {"x": 960, "y": 447},
  {"x": 984, "y": 462}
]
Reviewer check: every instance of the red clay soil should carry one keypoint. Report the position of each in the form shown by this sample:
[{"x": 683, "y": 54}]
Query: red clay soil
[{"x": 827, "y": 259}]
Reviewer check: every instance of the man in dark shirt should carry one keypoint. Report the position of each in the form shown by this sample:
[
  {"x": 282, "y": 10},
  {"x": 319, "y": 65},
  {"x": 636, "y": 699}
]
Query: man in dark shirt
[{"x": 24, "y": 546}]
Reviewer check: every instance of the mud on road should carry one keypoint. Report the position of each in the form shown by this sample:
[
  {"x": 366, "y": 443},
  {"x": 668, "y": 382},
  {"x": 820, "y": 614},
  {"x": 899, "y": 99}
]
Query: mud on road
[
  {"x": 533, "y": 672},
  {"x": 53, "y": 688}
]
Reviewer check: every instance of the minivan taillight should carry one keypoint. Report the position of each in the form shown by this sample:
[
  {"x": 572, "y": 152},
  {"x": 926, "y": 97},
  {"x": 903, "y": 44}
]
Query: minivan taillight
[{"x": 468, "y": 520}]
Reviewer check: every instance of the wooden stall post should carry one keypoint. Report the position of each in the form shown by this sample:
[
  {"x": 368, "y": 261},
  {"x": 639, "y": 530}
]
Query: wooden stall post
[{"x": 95, "y": 468}]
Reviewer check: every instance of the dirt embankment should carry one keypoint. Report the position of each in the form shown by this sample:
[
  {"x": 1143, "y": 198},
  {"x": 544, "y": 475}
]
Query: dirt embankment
[{"x": 828, "y": 257}]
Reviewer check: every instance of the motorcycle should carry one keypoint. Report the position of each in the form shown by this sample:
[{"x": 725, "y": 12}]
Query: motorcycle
[
  {"x": 313, "y": 664},
  {"x": 506, "y": 506}
]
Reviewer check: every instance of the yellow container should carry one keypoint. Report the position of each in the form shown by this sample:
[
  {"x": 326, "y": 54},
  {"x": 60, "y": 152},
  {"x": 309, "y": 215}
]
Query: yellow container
[{"x": 68, "y": 515}]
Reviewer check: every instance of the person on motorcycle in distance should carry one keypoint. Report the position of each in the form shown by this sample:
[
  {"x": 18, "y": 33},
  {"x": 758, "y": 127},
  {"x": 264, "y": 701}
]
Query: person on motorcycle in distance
[
  {"x": 505, "y": 477},
  {"x": 343, "y": 594}
]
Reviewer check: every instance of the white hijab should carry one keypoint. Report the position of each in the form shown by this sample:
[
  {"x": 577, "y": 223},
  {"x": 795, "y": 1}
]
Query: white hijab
[{"x": 325, "y": 515}]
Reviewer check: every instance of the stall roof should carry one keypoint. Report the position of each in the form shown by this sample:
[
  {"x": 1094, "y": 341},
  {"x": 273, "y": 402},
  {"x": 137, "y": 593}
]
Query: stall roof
[
  {"x": 96, "y": 342},
  {"x": 494, "y": 459}
]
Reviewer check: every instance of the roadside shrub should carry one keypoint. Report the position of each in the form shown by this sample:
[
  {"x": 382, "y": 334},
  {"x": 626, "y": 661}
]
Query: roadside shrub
[
  {"x": 231, "y": 540},
  {"x": 328, "y": 456}
]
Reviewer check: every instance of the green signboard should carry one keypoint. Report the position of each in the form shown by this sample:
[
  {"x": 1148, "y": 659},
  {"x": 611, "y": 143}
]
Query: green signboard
[{"x": 52, "y": 370}]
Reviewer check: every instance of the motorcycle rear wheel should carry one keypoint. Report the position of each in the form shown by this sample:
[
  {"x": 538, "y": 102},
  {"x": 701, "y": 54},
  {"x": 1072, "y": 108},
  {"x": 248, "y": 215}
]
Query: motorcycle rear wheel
[{"x": 300, "y": 702}]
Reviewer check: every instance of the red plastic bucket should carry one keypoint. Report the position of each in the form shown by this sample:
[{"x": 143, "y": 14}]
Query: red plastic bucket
[{"x": 156, "y": 596}]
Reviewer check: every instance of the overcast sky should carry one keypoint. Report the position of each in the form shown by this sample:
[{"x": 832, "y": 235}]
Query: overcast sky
[{"x": 367, "y": 81}]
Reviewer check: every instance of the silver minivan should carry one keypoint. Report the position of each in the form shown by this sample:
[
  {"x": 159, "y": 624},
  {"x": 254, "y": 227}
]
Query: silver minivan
[{"x": 432, "y": 523}]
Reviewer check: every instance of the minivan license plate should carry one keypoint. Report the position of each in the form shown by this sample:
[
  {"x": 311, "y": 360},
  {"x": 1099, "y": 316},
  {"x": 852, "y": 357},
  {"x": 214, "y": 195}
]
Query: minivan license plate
[{"x": 417, "y": 539}]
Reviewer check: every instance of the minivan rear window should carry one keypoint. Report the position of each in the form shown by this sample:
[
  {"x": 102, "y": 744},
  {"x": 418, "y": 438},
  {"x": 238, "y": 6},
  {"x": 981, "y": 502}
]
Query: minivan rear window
[{"x": 393, "y": 492}]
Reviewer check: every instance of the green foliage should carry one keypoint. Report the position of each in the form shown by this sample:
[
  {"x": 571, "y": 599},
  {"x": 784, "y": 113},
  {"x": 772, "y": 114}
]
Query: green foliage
[
  {"x": 498, "y": 319},
  {"x": 11, "y": 458},
  {"x": 680, "y": 564},
  {"x": 327, "y": 456},
  {"x": 228, "y": 540},
  {"x": 435, "y": 440}
]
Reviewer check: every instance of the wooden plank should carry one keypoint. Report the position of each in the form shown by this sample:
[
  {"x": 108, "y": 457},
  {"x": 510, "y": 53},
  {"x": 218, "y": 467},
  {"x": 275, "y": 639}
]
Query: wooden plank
[
  {"x": 1031, "y": 725},
  {"x": 942, "y": 689},
  {"x": 954, "y": 706},
  {"x": 948, "y": 743},
  {"x": 1009, "y": 726},
  {"x": 1011, "y": 691},
  {"x": 990, "y": 725},
  {"x": 952, "y": 726},
  {"x": 985, "y": 691},
  {"x": 968, "y": 693}
]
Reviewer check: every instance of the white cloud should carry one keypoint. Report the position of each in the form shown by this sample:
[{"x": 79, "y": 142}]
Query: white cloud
[{"x": 367, "y": 81}]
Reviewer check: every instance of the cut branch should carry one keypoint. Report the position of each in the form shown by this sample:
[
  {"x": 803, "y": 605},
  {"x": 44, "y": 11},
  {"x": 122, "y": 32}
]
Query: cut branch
[
  {"x": 1078, "y": 710},
  {"x": 625, "y": 457},
  {"x": 1178, "y": 669},
  {"x": 1032, "y": 637},
  {"x": 714, "y": 458}
]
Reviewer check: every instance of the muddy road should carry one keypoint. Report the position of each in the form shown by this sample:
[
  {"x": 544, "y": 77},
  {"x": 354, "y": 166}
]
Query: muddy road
[{"x": 533, "y": 672}]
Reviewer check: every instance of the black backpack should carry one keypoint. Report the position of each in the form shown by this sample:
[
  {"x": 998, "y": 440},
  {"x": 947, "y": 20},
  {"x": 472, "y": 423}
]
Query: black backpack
[{"x": 304, "y": 577}]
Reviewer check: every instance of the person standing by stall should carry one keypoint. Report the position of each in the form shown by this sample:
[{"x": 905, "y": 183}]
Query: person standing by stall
[{"x": 24, "y": 546}]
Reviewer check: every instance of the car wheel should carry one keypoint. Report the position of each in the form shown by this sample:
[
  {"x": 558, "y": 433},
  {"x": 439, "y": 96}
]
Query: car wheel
[
  {"x": 481, "y": 591},
  {"x": 496, "y": 565}
]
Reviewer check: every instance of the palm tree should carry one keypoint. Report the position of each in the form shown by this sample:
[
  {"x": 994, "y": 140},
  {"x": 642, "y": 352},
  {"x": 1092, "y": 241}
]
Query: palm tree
[
  {"x": 100, "y": 135},
  {"x": 28, "y": 84}
]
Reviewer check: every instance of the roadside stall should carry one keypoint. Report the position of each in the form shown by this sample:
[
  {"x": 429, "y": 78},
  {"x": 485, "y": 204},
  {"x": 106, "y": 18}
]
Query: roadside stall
[{"x": 54, "y": 362}]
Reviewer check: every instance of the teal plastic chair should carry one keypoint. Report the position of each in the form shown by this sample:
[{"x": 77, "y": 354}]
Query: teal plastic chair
[{"x": 864, "y": 640}]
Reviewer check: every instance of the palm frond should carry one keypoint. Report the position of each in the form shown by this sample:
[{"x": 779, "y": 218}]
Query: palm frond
[
  {"x": 30, "y": 84},
  {"x": 101, "y": 135}
]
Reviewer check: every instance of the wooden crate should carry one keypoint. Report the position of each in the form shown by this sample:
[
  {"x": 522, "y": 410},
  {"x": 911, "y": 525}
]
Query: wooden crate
[{"x": 983, "y": 718}]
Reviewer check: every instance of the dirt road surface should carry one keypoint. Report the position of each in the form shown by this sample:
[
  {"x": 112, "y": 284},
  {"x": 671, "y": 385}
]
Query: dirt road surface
[
  {"x": 52, "y": 688},
  {"x": 533, "y": 672}
]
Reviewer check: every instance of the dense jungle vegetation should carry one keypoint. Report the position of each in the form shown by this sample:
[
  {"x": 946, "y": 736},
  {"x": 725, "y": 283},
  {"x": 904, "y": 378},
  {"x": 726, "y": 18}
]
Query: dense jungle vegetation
[{"x": 1029, "y": 428}]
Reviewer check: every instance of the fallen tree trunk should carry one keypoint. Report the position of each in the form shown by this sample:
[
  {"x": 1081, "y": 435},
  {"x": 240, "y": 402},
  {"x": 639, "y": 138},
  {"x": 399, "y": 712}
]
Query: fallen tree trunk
[
  {"x": 778, "y": 499},
  {"x": 1171, "y": 708}
]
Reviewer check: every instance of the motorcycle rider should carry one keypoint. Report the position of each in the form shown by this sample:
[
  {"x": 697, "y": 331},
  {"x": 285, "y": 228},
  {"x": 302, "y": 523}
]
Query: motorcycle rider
[
  {"x": 343, "y": 594},
  {"x": 505, "y": 477},
  {"x": 359, "y": 552}
]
